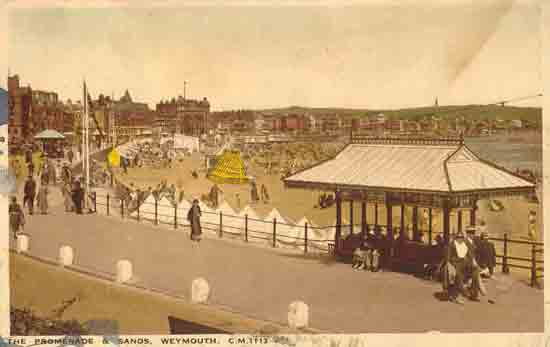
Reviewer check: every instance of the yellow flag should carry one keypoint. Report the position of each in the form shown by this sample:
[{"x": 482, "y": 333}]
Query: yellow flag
[{"x": 114, "y": 158}]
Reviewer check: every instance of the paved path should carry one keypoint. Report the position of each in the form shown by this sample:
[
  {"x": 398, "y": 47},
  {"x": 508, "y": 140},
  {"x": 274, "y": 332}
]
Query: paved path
[{"x": 261, "y": 282}]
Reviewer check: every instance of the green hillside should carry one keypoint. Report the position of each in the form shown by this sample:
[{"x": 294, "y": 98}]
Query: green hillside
[{"x": 481, "y": 112}]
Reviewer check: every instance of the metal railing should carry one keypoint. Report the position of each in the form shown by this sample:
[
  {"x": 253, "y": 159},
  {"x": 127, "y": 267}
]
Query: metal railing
[{"x": 257, "y": 229}]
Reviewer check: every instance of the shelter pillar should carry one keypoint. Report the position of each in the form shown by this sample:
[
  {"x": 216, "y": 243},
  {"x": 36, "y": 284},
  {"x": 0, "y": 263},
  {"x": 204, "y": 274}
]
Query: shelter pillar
[
  {"x": 459, "y": 222},
  {"x": 364, "y": 218},
  {"x": 402, "y": 222},
  {"x": 338, "y": 233},
  {"x": 389, "y": 233},
  {"x": 473, "y": 213},
  {"x": 430, "y": 226},
  {"x": 446, "y": 220},
  {"x": 351, "y": 217},
  {"x": 416, "y": 234},
  {"x": 376, "y": 215}
]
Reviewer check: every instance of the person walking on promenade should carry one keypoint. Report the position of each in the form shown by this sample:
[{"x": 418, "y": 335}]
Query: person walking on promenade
[
  {"x": 264, "y": 194},
  {"x": 29, "y": 194},
  {"x": 254, "y": 193},
  {"x": 17, "y": 217},
  {"x": 194, "y": 218},
  {"x": 67, "y": 198},
  {"x": 52, "y": 174},
  {"x": 42, "y": 199},
  {"x": 70, "y": 156},
  {"x": 30, "y": 168},
  {"x": 78, "y": 197}
]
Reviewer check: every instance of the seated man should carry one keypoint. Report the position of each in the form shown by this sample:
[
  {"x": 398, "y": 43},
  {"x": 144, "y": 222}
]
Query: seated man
[{"x": 486, "y": 255}]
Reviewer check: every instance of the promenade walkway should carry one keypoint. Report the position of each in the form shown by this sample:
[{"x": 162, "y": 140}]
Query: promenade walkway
[{"x": 262, "y": 282}]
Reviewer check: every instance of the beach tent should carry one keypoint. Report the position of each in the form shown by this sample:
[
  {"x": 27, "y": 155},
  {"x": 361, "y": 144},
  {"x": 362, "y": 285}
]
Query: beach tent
[
  {"x": 146, "y": 209},
  {"x": 113, "y": 158},
  {"x": 229, "y": 168},
  {"x": 190, "y": 143},
  {"x": 230, "y": 218},
  {"x": 285, "y": 231},
  {"x": 209, "y": 219},
  {"x": 165, "y": 210},
  {"x": 255, "y": 224}
]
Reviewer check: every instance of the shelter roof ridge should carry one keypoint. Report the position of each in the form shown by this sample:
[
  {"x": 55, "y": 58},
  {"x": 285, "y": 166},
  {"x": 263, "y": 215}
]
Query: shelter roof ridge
[{"x": 395, "y": 140}]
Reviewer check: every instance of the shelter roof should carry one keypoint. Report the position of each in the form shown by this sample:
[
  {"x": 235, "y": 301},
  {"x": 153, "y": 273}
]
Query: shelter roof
[{"x": 431, "y": 166}]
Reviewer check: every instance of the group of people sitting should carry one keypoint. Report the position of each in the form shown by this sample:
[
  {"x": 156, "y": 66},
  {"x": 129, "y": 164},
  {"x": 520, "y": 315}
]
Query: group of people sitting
[{"x": 463, "y": 261}]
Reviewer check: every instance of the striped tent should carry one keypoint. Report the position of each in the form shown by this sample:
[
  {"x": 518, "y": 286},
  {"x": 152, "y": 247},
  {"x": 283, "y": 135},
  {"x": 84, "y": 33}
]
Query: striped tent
[{"x": 229, "y": 169}]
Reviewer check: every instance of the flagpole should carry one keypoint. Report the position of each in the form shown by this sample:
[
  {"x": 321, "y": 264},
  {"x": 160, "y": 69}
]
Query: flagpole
[
  {"x": 82, "y": 130},
  {"x": 87, "y": 151}
]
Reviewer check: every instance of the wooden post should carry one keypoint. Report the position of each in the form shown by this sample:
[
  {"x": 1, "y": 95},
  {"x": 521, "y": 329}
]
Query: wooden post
[
  {"x": 274, "y": 232},
  {"x": 430, "y": 226},
  {"x": 138, "y": 211},
  {"x": 246, "y": 227},
  {"x": 220, "y": 234},
  {"x": 416, "y": 234},
  {"x": 95, "y": 201},
  {"x": 351, "y": 217},
  {"x": 108, "y": 204},
  {"x": 364, "y": 218},
  {"x": 175, "y": 216},
  {"x": 446, "y": 220},
  {"x": 505, "y": 268},
  {"x": 122, "y": 207},
  {"x": 305, "y": 238},
  {"x": 459, "y": 218},
  {"x": 338, "y": 234},
  {"x": 533, "y": 265},
  {"x": 156, "y": 212},
  {"x": 389, "y": 233}
]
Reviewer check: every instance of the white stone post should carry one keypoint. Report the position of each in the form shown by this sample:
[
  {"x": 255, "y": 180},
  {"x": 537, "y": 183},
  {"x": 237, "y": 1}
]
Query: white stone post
[
  {"x": 123, "y": 271},
  {"x": 200, "y": 291},
  {"x": 66, "y": 256},
  {"x": 22, "y": 243},
  {"x": 298, "y": 315}
]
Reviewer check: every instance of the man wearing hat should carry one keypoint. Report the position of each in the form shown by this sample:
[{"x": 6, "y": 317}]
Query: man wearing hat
[
  {"x": 462, "y": 258},
  {"x": 486, "y": 254}
]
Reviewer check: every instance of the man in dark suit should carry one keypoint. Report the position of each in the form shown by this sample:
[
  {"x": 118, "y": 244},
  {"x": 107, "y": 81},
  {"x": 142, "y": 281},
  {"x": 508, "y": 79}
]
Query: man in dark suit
[
  {"x": 29, "y": 193},
  {"x": 461, "y": 256},
  {"x": 486, "y": 254}
]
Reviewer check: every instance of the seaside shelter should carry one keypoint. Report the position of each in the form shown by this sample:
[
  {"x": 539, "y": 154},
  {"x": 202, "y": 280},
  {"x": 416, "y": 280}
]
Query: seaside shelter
[
  {"x": 406, "y": 173},
  {"x": 51, "y": 140}
]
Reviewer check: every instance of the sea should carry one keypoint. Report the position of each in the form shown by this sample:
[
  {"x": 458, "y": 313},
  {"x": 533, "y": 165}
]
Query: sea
[{"x": 509, "y": 152}]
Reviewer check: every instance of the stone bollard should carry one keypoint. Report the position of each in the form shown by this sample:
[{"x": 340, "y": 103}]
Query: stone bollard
[
  {"x": 22, "y": 243},
  {"x": 298, "y": 315},
  {"x": 200, "y": 291},
  {"x": 123, "y": 271},
  {"x": 66, "y": 256}
]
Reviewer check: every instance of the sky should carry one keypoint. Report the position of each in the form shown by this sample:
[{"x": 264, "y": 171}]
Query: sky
[{"x": 361, "y": 55}]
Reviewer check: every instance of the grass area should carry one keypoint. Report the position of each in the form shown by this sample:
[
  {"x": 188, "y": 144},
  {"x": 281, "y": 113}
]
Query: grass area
[{"x": 135, "y": 311}]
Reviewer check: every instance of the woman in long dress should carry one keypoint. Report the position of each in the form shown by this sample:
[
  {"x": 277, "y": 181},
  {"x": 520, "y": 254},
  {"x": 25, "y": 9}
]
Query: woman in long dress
[
  {"x": 194, "y": 218},
  {"x": 43, "y": 199},
  {"x": 67, "y": 198}
]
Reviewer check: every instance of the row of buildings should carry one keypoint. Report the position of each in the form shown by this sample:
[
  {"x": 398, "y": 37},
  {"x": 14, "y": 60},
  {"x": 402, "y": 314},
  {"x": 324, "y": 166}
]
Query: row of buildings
[
  {"x": 376, "y": 124},
  {"x": 118, "y": 120},
  {"x": 113, "y": 120}
]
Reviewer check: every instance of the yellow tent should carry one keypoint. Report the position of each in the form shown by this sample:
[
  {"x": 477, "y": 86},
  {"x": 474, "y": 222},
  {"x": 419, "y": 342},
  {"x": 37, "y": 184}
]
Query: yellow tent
[
  {"x": 229, "y": 169},
  {"x": 114, "y": 158}
]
